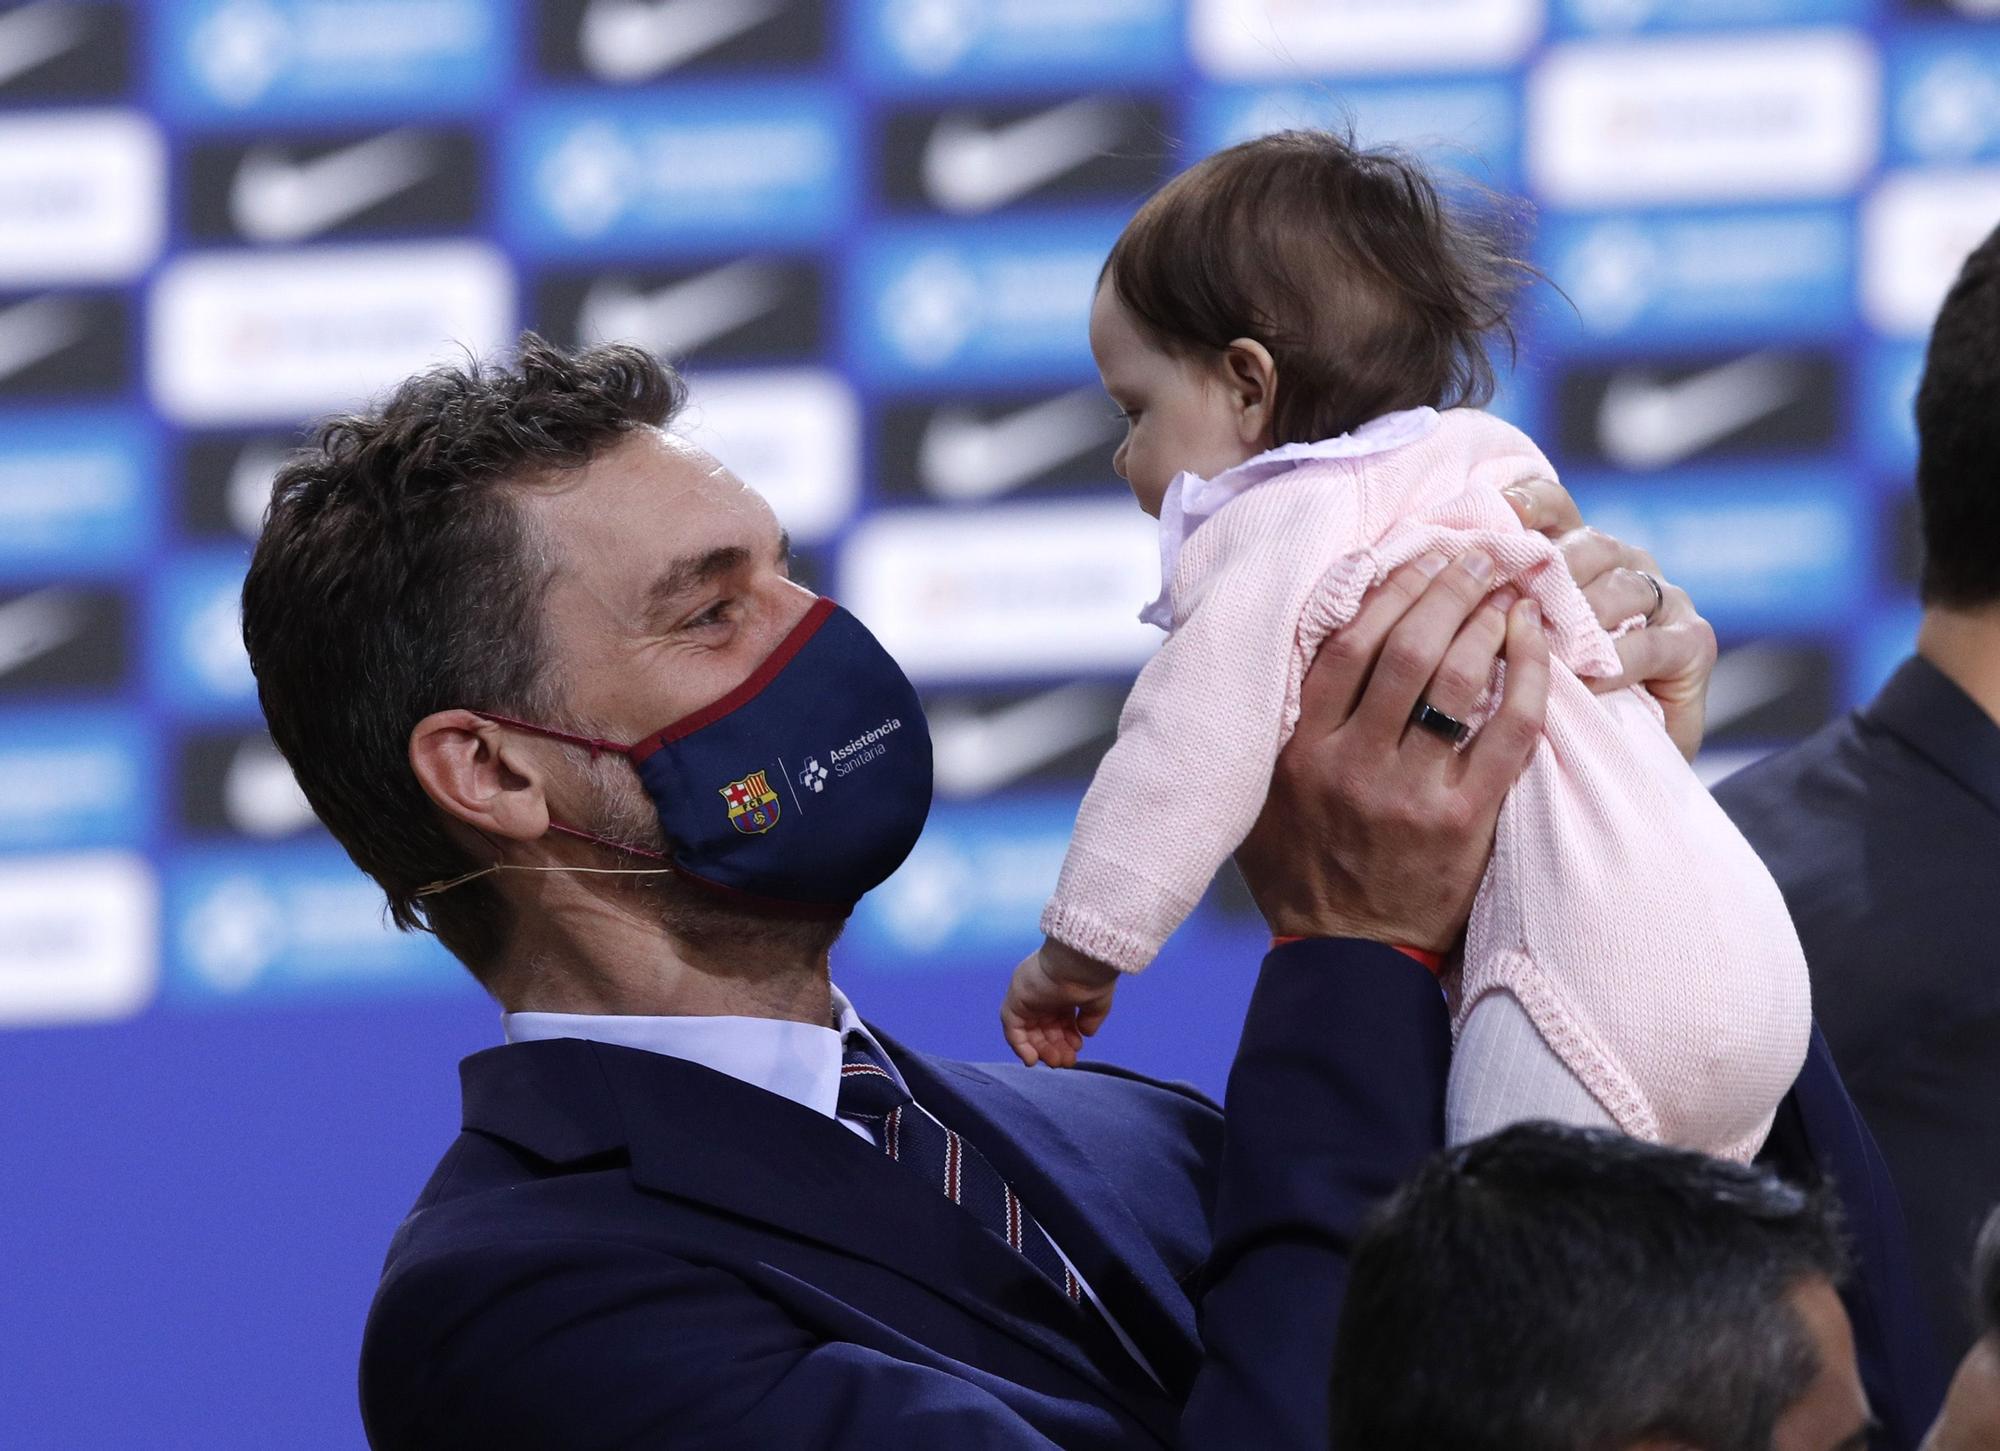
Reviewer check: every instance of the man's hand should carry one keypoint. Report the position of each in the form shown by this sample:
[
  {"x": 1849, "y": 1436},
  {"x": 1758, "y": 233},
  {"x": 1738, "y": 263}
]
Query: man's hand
[
  {"x": 1675, "y": 654},
  {"x": 1376, "y": 828}
]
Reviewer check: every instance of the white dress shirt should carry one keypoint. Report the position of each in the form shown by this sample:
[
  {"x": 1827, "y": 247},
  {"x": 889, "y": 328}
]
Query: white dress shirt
[{"x": 799, "y": 1061}]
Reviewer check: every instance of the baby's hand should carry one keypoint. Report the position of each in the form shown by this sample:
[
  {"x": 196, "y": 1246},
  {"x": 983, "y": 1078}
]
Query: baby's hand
[{"x": 1058, "y": 998}]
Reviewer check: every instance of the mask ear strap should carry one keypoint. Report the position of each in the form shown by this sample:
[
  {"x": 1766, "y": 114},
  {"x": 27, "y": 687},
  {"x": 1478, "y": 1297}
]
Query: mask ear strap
[
  {"x": 593, "y": 744},
  {"x": 432, "y": 889}
]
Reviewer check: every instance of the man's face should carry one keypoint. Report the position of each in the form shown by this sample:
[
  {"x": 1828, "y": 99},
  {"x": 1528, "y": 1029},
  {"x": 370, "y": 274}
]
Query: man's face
[
  {"x": 1832, "y": 1415},
  {"x": 671, "y": 583}
]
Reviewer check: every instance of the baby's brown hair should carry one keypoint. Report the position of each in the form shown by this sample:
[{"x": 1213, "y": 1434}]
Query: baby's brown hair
[{"x": 1370, "y": 291}]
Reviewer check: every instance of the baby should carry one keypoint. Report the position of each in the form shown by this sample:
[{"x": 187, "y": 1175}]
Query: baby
[{"x": 1295, "y": 332}]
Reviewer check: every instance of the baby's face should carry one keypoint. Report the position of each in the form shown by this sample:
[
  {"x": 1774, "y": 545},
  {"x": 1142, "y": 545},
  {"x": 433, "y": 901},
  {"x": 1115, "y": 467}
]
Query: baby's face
[{"x": 1178, "y": 415}]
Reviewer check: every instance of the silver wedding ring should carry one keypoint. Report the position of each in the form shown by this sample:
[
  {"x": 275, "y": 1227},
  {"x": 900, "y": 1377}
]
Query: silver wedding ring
[{"x": 1659, "y": 594}]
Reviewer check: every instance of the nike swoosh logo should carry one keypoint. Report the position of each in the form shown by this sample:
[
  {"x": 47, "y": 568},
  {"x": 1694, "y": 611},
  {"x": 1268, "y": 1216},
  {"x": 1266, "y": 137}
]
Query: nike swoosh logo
[
  {"x": 969, "y": 168},
  {"x": 36, "y": 329},
  {"x": 1646, "y": 424},
  {"x": 276, "y": 199},
  {"x": 260, "y": 796},
  {"x": 35, "y": 624},
  {"x": 684, "y": 315},
  {"x": 635, "y": 40},
  {"x": 35, "y": 35},
  {"x": 249, "y": 487},
  {"x": 1749, "y": 678},
  {"x": 974, "y": 754},
  {"x": 963, "y": 457}
]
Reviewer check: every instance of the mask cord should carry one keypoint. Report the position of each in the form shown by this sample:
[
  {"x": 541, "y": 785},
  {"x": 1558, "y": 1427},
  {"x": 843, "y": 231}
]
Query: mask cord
[{"x": 432, "y": 889}]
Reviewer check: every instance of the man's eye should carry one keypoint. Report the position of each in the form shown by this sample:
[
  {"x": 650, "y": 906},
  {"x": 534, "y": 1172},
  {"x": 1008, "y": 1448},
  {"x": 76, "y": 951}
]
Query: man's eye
[{"x": 713, "y": 615}]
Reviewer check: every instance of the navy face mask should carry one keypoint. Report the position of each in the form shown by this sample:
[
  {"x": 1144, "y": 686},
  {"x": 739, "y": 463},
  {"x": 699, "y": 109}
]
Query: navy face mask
[{"x": 800, "y": 790}]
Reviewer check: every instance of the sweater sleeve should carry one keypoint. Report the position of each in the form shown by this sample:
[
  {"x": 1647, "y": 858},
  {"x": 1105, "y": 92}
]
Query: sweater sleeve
[{"x": 1188, "y": 774}]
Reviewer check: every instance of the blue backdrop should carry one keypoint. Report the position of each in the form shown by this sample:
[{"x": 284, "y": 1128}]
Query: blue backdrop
[{"x": 872, "y": 229}]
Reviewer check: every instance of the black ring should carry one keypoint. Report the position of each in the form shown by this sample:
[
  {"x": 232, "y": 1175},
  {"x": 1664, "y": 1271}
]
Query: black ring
[{"x": 1446, "y": 727}]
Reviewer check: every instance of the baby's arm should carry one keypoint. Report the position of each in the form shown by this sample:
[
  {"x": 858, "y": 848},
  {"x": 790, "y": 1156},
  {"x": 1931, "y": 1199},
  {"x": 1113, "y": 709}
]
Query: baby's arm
[{"x": 1184, "y": 782}]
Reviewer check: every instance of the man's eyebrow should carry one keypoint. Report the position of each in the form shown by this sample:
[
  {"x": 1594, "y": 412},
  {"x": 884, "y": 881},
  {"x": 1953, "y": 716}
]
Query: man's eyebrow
[{"x": 692, "y": 571}]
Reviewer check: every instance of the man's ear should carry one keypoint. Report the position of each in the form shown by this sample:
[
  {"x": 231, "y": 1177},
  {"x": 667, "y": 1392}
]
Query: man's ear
[
  {"x": 1251, "y": 377},
  {"x": 480, "y": 774}
]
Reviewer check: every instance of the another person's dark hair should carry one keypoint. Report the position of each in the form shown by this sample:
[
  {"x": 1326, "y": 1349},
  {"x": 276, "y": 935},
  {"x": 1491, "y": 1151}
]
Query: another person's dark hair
[
  {"x": 1958, "y": 438},
  {"x": 1371, "y": 292},
  {"x": 1986, "y": 1277},
  {"x": 395, "y": 577},
  {"x": 1570, "y": 1290}
]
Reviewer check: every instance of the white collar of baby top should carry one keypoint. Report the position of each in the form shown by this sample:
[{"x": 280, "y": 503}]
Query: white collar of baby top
[{"x": 1191, "y": 499}]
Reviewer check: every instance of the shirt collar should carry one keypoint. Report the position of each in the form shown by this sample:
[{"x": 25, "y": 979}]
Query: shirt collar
[
  {"x": 1927, "y": 710},
  {"x": 1190, "y": 499},
  {"x": 799, "y": 1061}
]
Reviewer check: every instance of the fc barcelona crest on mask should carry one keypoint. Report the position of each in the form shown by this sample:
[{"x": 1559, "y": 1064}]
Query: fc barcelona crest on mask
[{"x": 753, "y": 805}]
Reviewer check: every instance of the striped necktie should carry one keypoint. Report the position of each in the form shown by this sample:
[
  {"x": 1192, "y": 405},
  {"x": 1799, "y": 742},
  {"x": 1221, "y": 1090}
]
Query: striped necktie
[{"x": 869, "y": 1092}]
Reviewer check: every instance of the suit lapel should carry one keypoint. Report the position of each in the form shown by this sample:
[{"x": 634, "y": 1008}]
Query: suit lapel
[
  {"x": 1075, "y": 1203},
  {"x": 699, "y": 1135}
]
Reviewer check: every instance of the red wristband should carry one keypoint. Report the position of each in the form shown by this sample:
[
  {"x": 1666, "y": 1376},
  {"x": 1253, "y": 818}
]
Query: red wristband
[{"x": 1432, "y": 962}]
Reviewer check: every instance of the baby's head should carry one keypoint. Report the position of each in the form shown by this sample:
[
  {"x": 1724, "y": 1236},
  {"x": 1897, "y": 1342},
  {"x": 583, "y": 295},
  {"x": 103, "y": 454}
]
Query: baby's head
[{"x": 1286, "y": 290}]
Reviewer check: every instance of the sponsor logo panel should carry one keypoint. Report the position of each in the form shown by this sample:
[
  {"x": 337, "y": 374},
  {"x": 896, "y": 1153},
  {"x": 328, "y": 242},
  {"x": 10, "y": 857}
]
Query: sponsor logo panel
[
  {"x": 1469, "y": 126},
  {"x": 234, "y": 783},
  {"x": 226, "y": 481},
  {"x": 79, "y": 938},
  {"x": 1944, "y": 97},
  {"x": 302, "y": 189},
  {"x": 638, "y": 42},
  {"x": 65, "y": 50},
  {"x": 217, "y": 61},
  {"x": 1654, "y": 415},
  {"x": 988, "y": 741},
  {"x": 957, "y": 451},
  {"x": 298, "y": 922},
  {"x": 1703, "y": 277},
  {"x": 1252, "y": 38},
  {"x": 1778, "y": 547},
  {"x": 239, "y": 337},
  {"x": 65, "y": 638},
  {"x": 76, "y": 776},
  {"x": 753, "y": 308},
  {"x": 971, "y": 160},
  {"x": 809, "y": 470},
  {"x": 1015, "y": 44},
  {"x": 1008, "y": 302},
  {"x": 1012, "y": 591},
  {"x": 1760, "y": 117},
  {"x": 1771, "y": 689},
  {"x": 198, "y": 665},
  {"x": 78, "y": 491},
  {"x": 698, "y": 166},
  {"x": 64, "y": 345},
  {"x": 82, "y": 195},
  {"x": 1917, "y": 228}
]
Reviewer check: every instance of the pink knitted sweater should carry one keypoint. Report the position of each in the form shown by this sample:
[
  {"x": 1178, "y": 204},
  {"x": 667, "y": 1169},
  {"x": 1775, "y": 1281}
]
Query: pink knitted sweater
[{"x": 1641, "y": 934}]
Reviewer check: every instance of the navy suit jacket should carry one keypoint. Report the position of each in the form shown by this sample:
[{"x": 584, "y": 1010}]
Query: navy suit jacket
[
  {"x": 1883, "y": 830},
  {"x": 624, "y": 1249}
]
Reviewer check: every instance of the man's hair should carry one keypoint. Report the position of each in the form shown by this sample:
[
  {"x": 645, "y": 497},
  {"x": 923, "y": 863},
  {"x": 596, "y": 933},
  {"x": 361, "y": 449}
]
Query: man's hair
[
  {"x": 1561, "y": 1289},
  {"x": 395, "y": 576},
  {"x": 1986, "y": 1277},
  {"x": 1371, "y": 293},
  {"x": 1958, "y": 439}
]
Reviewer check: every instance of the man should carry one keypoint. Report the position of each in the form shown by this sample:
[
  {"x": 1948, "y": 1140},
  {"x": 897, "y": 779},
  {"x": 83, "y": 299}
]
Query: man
[
  {"x": 1572, "y": 1290},
  {"x": 697, "y": 1201},
  {"x": 1883, "y": 830},
  {"x": 1970, "y": 1420}
]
